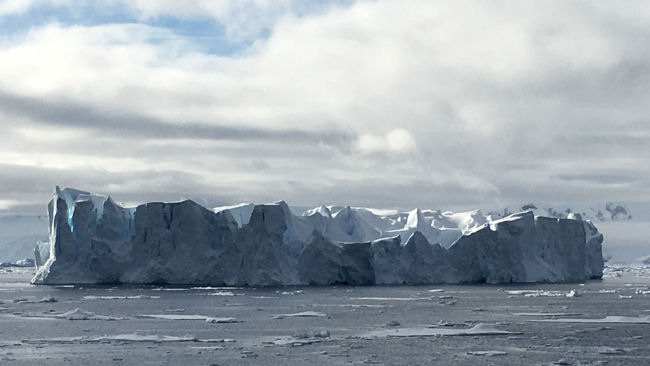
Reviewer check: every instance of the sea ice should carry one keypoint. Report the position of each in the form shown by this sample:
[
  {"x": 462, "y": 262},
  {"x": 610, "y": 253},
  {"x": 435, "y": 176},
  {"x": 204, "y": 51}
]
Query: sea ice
[
  {"x": 208, "y": 319},
  {"x": 304, "y": 314},
  {"x": 607, "y": 319},
  {"x": 478, "y": 329}
]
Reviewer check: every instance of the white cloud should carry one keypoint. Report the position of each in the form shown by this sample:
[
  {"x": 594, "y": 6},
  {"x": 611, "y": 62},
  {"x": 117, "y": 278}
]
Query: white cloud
[
  {"x": 507, "y": 97},
  {"x": 397, "y": 140}
]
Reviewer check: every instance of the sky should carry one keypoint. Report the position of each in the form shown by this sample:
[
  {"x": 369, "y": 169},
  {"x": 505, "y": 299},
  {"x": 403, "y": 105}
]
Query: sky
[{"x": 383, "y": 103}]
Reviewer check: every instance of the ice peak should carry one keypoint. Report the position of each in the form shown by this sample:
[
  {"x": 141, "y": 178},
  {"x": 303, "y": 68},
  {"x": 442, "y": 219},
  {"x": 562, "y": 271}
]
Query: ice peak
[{"x": 415, "y": 219}]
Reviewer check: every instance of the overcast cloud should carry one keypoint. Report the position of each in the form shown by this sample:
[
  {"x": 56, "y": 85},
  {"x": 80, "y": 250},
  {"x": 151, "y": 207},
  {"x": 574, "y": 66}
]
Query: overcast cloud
[{"x": 376, "y": 103}]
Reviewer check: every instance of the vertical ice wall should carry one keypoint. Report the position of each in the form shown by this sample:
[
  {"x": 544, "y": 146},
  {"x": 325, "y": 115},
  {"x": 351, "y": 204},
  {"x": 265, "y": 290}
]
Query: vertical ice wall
[{"x": 95, "y": 240}]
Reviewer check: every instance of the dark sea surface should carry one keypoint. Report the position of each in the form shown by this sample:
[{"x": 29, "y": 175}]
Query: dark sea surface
[{"x": 593, "y": 323}]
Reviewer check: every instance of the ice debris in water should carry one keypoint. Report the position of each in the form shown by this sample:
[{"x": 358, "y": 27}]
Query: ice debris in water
[
  {"x": 131, "y": 337},
  {"x": 304, "y": 314},
  {"x": 208, "y": 319},
  {"x": 478, "y": 329},
  {"x": 76, "y": 314},
  {"x": 607, "y": 319}
]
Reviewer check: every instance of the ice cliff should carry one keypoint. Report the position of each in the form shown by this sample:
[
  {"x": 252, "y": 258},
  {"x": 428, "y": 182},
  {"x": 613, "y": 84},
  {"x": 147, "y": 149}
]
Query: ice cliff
[{"x": 95, "y": 240}]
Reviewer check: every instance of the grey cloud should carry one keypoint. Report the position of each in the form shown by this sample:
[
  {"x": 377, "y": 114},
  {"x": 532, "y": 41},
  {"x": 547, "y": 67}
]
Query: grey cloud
[
  {"x": 599, "y": 178},
  {"x": 66, "y": 113}
]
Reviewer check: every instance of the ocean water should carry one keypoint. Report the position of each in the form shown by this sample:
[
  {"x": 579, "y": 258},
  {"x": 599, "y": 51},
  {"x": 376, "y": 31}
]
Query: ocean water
[{"x": 591, "y": 323}]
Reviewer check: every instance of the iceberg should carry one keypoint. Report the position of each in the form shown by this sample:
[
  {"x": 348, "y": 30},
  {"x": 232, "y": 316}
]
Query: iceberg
[{"x": 94, "y": 240}]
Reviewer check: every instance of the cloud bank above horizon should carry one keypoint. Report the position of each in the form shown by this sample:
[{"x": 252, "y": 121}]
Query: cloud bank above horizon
[{"x": 367, "y": 103}]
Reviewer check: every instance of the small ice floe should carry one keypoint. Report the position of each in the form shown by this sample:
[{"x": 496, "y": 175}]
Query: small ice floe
[
  {"x": 301, "y": 338},
  {"x": 134, "y": 297},
  {"x": 297, "y": 292},
  {"x": 210, "y": 288},
  {"x": 306, "y": 334},
  {"x": 222, "y": 320},
  {"x": 47, "y": 299},
  {"x": 304, "y": 314},
  {"x": 25, "y": 300},
  {"x": 543, "y": 293},
  {"x": 294, "y": 342},
  {"x": 547, "y": 314},
  {"x": 358, "y": 306},
  {"x": 76, "y": 314},
  {"x": 170, "y": 289},
  {"x": 624, "y": 296},
  {"x": 132, "y": 337},
  {"x": 208, "y": 319},
  {"x": 442, "y": 323},
  {"x": 222, "y": 293},
  {"x": 391, "y": 298},
  {"x": 487, "y": 353},
  {"x": 607, "y": 319},
  {"x": 477, "y": 330},
  {"x": 435, "y": 290},
  {"x": 573, "y": 293},
  {"x": 610, "y": 350}
]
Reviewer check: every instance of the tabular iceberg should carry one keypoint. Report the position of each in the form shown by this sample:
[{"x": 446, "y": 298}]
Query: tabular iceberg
[{"x": 95, "y": 240}]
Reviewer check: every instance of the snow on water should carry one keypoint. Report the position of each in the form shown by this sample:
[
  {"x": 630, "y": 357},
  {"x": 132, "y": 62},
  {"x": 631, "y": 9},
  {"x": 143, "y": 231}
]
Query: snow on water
[
  {"x": 477, "y": 330},
  {"x": 271, "y": 246}
]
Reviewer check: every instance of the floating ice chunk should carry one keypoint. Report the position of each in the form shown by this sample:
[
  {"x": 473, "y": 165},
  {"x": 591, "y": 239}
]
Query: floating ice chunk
[
  {"x": 607, "y": 319},
  {"x": 169, "y": 289},
  {"x": 543, "y": 293},
  {"x": 76, "y": 314},
  {"x": 604, "y": 350},
  {"x": 304, "y": 314},
  {"x": 294, "y": 342},
  {"x": 208, "y": 319},
  {"x": 131, "y": 337},
  {"x": 391, "y": 298},
  {"x": 25, "y": 300},
  {"x": 222, "y": 293},
  {"x": 222, "y": 320},
  {"x": 312, "y": 334},
  {"x": 547, "y": 314},
  {"x": 487, "y": 353},
  {"x": 134, "y": 297},
  {"x": 297, "y": 292},
  {"x": 573, "y": 293},
  {"x": 478, "y": 329}
]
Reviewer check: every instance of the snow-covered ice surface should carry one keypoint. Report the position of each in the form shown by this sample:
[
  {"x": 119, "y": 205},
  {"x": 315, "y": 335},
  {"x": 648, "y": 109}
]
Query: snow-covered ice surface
[
  {"x": 95, "y": 240},
  {"x": 341, "y": 325}
]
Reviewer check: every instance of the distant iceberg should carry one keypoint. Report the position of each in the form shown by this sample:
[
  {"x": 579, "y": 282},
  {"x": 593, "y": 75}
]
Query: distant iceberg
[{"x": 95, "y": 240}]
